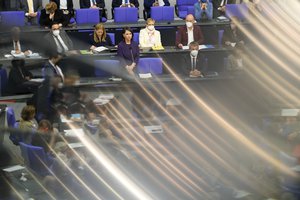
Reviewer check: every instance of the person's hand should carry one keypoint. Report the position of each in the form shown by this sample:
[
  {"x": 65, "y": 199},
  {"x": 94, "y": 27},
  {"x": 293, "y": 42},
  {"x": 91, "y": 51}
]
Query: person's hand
[
  {"x": 132, "y": 5},
  {"x": 51, "y": 16},
  {"x": 204, "y": 6},
  {"x": 18, "y": 52},
  {"x": 123, "y": 5},
  {"x": 94, "y": 6},
  {"x": 28, "y": 52},
  {"x": 32, "y": 14},
  {"x": 27, "y": 78},
  {"x": 60, "y": 24},
  {"x": 180, "y": 46},
  {"x": 129, "y": 69},
  {"x": 222, "y": 8},
  {"x": 155, "y": 4},
  {"x": 92, "y": 47}
]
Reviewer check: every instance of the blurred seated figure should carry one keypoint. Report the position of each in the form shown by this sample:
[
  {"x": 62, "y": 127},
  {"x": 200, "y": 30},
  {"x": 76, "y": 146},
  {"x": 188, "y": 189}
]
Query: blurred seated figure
[
  {"x": 18, "y": 47},
  {"x": 58, "y": 41},
  {"x": 128, "y": 51},
  {"x": 95, "y": 4},
  {"x": 123, "y": 3},
  {"x": 31, "y": 9},
  {"x": 151, "y": 3},
  {"x": 51, "y": 69},
  {"x": 45, "y": 136},
  {"x": 203, "y": 10},
  {"x": 99, "y": 37},
  {"x": 222, "y": 5},
  {"x": 194, "y": 61},
  {"x": 233, "y": 35},
  {"x": 235, "y": 59},
  {"x": 189, "y": 33},
  {"x": 51, "y": 14},
  {"x": 27, "y": 123},
  {"x": 66, "y": 6},
  {"x": 19, "y": 79},
  {"x": 148, "y": 36}
]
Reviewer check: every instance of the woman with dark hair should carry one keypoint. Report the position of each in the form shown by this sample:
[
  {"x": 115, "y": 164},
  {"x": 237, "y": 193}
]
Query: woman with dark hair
[
  {"x": 99, "y": 37},
  {"x": 128, "y": 51}
]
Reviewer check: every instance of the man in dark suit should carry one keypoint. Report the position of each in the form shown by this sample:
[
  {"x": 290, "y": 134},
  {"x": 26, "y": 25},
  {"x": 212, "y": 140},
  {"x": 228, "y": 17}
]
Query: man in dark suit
[
  {"x": 57, "y": 40},
  {"x": 51, "y": 69},
  {"x": 194, "y": 62},
  {"x": 189, "y": 33},
  {"x": 31, "y": 7},
  {"x": 19, "y": 79},
  {"x": 96, "y": 4}
]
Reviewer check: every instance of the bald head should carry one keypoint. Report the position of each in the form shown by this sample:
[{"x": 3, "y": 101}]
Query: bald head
[{"x": 189, "y": 20}]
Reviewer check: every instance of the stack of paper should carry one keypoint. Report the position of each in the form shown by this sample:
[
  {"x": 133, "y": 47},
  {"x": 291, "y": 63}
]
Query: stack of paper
[
  {"x": 104, "y": 99},
  {"x": 34, "y": 55},
  {"x": 18, "y": 55},
  {"x": 99, "y": 49},
  {"x": 13, "y": 168},
  {"x": 74, "y": 132},
  {"x": 147, "y": 75},
  {"x": 108, "y": 96},
  {"x": 39, "y": 80},
  {"x": 153, "y": 129},
  {"x": 75, "y": 145}
]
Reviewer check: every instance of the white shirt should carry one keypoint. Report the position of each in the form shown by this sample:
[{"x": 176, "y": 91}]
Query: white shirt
[
  {"x": 58, "y": 70},
  {"x": 17, "y": 45},
  {"x": 63, "y": 5},
  {"x": 161, "y": 2},
  {"x": 190, "y": 35},
  {"x": 59, "y": 48}
]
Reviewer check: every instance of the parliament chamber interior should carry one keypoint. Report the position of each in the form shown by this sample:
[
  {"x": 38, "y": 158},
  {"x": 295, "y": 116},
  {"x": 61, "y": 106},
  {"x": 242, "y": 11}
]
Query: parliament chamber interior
[{"x": 152, "y": 99}]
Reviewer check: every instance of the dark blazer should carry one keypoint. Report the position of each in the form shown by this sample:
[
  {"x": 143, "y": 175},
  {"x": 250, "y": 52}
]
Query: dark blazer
[
  {"x": 125, "y": 55},
  {"x": 58, "y": 17},
  {"x": 37, "y": 5},
  {"x": 51, "y": 44},
  {"x": 49, "y": 71},
  {"x": 118, "y": 3},
  {"x": 182, "y": 36},
  {"x": 187, "y": 63},
  {"x": 9, "y": 5},
  {"x": 69, "y": 4},
  {"x": 98, "y": 44},
  {"x": 87, "y": 3},
  {"x": 229, "y": 36}
]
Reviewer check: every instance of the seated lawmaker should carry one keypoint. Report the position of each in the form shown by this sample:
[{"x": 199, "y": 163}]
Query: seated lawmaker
[
  {"x": 128, "y": 51},
  {"x": 31, "y": 8},
  {"x": 51, "y": 68},
  {"x": 203, "y": 10},
  {"x": 58, "y": 40},
  {"x": 194, "y": 62},
  {"x": 51, "y": 14},
  {"x": 152, "y": 3},
  {"x": 94, "y": 4},
  {"x": 19, "y": 79},
  {"x": 99, "y": 37},
  {"x": 17, "y": 44},
  {"x": 189, "y": 33},
  {"x": 148, "y": 36},
  {"x": 233, "y": 36},
  {"x": 66, "y": 6}
]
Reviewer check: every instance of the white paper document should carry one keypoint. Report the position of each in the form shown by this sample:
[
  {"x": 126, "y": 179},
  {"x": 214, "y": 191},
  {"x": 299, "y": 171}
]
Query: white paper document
[
  {"x": 185, "y": 47},
  {"x": 74, "y": 132},
  {"x": 39, "y": 80},
  {"x": 147, "y": 75},
  {"x": 108, "y": 96},
  {"x": 75, "y": 145},
  {"x": 18, "y": 55},
  {"x": 99, "y": 49},
  {"x": 153, "y": 129},
  {"x": 13, "y": 168},
  {"x": 290, "y": 112}
]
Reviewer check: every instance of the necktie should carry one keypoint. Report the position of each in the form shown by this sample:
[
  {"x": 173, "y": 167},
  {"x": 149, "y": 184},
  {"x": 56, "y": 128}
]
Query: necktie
[
  {"x": 60, "y": 45},
  {"x": 30, "y": 6},
  {"x": 194, "y": 63}
]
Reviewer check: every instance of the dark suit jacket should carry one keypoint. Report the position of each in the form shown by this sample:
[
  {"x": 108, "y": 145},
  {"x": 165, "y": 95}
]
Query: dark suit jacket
[
  {"x": 98, "y": 44},
  {"x": 16, "y": 79},
  {"x": 10, "y": 5},
  {"x": 37, "y": 5},
  {"x": 58, "y": 17},
  {"x": 187, "y": 63},
  {"x": 50, "y": 42},
  {"x": 87, "y": 3},
  {"x": 229, "y": 36},
  {"x": 118, "y": 3},
  {"x": 69, "y": 4},
  {"x": 182, "y": 36},
  {"x": 148, "y": 3}
]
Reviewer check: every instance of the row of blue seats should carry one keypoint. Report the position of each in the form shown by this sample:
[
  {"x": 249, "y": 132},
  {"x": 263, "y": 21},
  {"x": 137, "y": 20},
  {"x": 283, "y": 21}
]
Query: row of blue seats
[{"x": 127, "y": 15}]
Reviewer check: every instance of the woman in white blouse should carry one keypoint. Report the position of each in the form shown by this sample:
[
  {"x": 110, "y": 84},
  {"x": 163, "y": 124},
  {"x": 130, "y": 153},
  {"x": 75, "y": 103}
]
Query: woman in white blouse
[{"x": 149, "y": 37}]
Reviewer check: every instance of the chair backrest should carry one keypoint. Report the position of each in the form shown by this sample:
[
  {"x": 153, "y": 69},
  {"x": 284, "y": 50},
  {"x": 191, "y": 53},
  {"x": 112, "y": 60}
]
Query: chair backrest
[
  {"x": 136, "y": 36},
  {"x": 184, "y": 6},
  {"x": 10, "y": 115},
  {"x": 150, "y": 65},
  {"x": 241, "y": 11},
  {"x": 126, "y": 15},
  {"x": 112, "y": 37},
  {"x": 106, "y": 68},
  {"x": 35, "y": 158},
  {"x": 162, "y": 13},
  {"x": 87, "y": 16},
  {"x": 3, "y": 81},
  {"x": 12, "y": 18}
]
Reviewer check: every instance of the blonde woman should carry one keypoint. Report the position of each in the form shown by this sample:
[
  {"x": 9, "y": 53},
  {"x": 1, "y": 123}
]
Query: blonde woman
[
  {"x": 149, "y": 37},
  {"x": 99, "y": 37}
]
